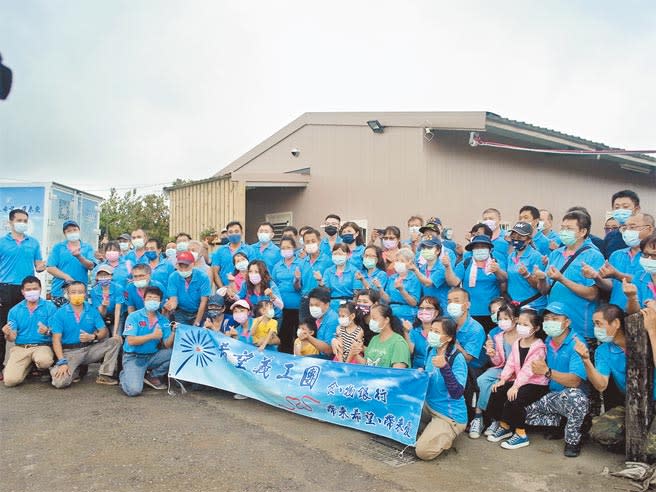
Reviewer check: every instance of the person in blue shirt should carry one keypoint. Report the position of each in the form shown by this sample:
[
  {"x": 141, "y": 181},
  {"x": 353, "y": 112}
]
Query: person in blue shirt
[
  {"x": 20, "y": 255},
  {"x": 623, "y": 263},
  {"x": 28, "y": 326},
  {"x": 105, "y": 296},
  {"x": 312, "y": 267},
  {"x": 531, "y": 215},
  {"x": 340, "y": 278},
  {"x": 217, "y": 319},
  {"x": 567, "y": 397},
  {"x": 160, "y": 268},
  {"x": 624, "y": 203},
  {"x": 372, "y": 274},
  {"x": 435, "y": 270},
  {"x": 222, "y": 264},
  {"x": 481, "y": 276},
  {"x": 324, "y": 319},
  {"x": 260, "y": 287},
  {"x": 149, "y": 337},
  {"x": 69, "y": 261},
  {"x": 286, "y": 275},
  {"x": 403, "y": 288},
  {"x": 139, "y": 238},
  {"x": 265, "y": 249},
  {"x": 641, "y": 291},
  {"x": 445, "y": 410},
  {"x": 122, "y": 269},
  {"x": 572, "y": 288},
  {"x": 188, "y": 290},
  {"x": 331, "y": 225},
  {"x": 491, "y": 217},
  {"x": 133, "y": 295},
  {"x": 350, "y": 234},
  {"x": 545, "y": 225},
  {"x": 415, "y": 223},
  {"x": 80, "y": 337},
  {"x": 610, "y": 363},
  {"x": 522, "y": 261},
  {"x": 416, "y": 333}
]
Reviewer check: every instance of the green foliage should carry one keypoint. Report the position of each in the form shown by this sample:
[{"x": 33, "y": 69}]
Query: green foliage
[{"x": 131, "y": 211}]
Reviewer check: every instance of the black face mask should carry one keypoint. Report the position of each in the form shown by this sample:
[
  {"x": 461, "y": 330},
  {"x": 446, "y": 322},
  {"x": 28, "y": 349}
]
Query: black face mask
[
  {"x": 519, "y": 245},
  {"x": 224, "y": 241},
  {"x": 331, "y": 230},
  {"x": 214, "y": 313}
]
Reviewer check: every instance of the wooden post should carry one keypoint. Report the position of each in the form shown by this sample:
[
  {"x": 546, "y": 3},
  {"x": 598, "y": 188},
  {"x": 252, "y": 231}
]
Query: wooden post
[{"x": 639, "y": 387}]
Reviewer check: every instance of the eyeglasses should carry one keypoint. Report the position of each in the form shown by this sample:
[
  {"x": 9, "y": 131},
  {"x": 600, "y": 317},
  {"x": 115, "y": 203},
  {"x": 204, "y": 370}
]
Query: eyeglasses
[
  {"x": 649, "y": 256},
  {"x": 632, "y": 228}
]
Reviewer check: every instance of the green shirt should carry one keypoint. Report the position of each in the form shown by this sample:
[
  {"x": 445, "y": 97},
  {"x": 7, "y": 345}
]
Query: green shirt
[{"x": 387, "y": 353}]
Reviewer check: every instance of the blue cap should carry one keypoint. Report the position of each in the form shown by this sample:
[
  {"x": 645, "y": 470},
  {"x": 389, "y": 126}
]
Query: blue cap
[
  {"x": 215, "y": 300},
  {"x": 557, "y": 308},
  {"x": 482, "y": 239},
  {"x": 430, "y": 243},
  {"x": 69, "y": 223}
]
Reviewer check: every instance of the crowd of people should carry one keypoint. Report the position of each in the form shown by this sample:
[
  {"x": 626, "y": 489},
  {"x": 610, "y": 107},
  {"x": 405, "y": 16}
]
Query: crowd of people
[{"x": 516, "y": 328}]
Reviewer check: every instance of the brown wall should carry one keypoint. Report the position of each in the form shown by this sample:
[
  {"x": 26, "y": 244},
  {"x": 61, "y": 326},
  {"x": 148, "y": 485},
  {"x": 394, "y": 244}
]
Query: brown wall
[{"x": 387, "y": 177}]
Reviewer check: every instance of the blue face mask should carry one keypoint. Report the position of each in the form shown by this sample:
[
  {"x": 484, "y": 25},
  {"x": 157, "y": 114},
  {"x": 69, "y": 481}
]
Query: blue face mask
[
  {"x": 434, "y": 339},
  {"x": 621, "y": 214},
  {"x": 20, "y": 227},
  {"x": 339, "y": 260},
  {"x": 151, "y": 305},
  {"x": 553, "y": 328},
  {"x": 234, "y": 238},
  {"x": 348, "y": 238},
  {"x": 104, "y": 282},
  {"x": 631, "y": 238},
  {"x": 151, "y": 255},
  {"x": 369, "y": 263},
  {"x": 567, "y": 237},
  {"x": 648, "y": 265},
  {"x": 481, "y": 254},
  {"x": 601, "y": 335}
]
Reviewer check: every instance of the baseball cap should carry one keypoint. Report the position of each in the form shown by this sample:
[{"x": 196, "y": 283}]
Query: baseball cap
[
  {"x": 185, "y": 257},
  {"x": 240, "y": 303},
  {"x": 523, "y": 228},
  {"x": 125, "y": 236},
  {"x": 105, "y": 268},
  {"x": 69, "y": 223},
  {"x": 556, "y": 308},
  {"x": 215, "y": 300},
  {"x": 430, "y": 243}
]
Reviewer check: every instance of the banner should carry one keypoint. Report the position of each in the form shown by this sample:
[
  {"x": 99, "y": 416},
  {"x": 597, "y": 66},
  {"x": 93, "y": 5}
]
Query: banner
[{"x": 386, "y": 402}]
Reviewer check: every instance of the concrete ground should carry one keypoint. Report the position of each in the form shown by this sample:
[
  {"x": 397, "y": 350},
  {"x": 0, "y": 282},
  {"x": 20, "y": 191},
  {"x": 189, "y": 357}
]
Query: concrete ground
[{"x": 92, "y": 438}]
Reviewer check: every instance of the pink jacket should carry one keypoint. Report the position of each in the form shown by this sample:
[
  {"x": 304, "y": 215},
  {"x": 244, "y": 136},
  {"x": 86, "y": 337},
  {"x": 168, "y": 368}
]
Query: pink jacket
[
  {"x": 524, "y": 374},
  {"x": 499, "y": 358}
]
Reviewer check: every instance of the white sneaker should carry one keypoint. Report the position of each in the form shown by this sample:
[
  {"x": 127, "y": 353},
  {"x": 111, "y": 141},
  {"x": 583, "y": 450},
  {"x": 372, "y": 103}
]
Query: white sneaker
[
  {"x": 237, "y": 396},
  {"x": 475, "y": 427},
  {"x": 492, "y": 428}
]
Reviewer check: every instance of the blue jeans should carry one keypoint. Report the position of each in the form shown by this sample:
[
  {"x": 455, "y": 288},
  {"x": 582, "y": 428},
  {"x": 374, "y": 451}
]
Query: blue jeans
[
  {"x": 136, "y": 365},
  {"x": 184, "y": 317},
  {"x": 485, "y": 382}
]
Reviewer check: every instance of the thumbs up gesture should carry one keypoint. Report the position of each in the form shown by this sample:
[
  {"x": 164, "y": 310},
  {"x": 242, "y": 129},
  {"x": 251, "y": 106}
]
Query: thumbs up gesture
[
  {"x": 629, "y": 289},
  {"x": 554, "y": 273},
  {"x": 539, "y": 274},
  {"x": 608, "y": 271},
  {"x": 494, "y": 266},
  {"x": 581, "y": 349},
  {"x": 297, "y": 274},
  {"x": 588, "y": 271}
]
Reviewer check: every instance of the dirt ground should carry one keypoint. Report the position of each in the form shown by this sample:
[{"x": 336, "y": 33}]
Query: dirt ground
[{"x": 92, "y": 438}]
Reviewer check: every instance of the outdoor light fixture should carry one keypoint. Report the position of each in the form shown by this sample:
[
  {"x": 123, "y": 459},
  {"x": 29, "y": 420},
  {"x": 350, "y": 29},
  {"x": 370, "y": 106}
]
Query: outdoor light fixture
[
  {"x": 375, "y": 126},
  {"x": 635, "y": 169},
  {"x": 428, "y": 134}
]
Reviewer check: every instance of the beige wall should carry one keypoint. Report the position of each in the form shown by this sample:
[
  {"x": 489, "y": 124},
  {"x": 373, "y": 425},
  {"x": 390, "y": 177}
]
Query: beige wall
[{"x": 386, "y": 177}]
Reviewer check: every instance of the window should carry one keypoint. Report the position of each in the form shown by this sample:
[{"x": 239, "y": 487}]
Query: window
[{"x": 279, "y": 221}]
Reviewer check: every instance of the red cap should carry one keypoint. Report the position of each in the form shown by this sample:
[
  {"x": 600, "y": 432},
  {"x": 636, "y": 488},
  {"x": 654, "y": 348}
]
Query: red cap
[{"x": 185, "y": 257}]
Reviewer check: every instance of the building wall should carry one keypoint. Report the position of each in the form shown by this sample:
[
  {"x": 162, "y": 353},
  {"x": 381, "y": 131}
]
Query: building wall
[
  {"x": 200, "y": 206},
  {"x": 384, "y": 178}
]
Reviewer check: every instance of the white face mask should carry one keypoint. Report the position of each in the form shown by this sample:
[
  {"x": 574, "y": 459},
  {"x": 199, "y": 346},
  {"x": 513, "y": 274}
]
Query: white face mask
[
  {"x": 299, "y": 332},
  {"x": 124, "y": 246},
  {"x": 344, "y": 321},
  {"x": 524, "y": 331},
  {"x": 263, "y": 237},
  {"x": 311, "y": 248},
  {"x": 413, "y": 230},
  {"x": 316, "y": 312},
  {"x": 400, "y": 267},
  {"x": 138, "y": 243}
]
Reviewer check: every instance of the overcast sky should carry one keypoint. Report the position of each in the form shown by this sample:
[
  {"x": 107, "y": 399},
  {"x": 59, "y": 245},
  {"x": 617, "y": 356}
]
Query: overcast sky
[{"x": 121, "y": 93}]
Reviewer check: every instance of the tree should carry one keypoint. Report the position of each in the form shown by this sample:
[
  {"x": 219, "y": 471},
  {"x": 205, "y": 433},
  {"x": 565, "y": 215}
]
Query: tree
[{"x": 131, "y": 211}]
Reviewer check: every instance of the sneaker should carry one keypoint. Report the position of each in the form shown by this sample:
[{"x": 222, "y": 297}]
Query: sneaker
[
  {"x": 492, "y": 428},
  {"x": 237, "y": 396},
  {"x": 154, "y": 382},
  {"x": 572, "y": 450},
  {"x": 475, "y": 427},
  {"x": 515, "y": 442},
  {"x": 103, "y": 379},
  {"x": 499, "y": 435}
]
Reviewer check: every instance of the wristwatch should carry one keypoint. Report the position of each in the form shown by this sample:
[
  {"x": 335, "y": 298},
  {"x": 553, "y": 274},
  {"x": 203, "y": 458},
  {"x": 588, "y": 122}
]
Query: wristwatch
[{"x": 548, "y": 373}]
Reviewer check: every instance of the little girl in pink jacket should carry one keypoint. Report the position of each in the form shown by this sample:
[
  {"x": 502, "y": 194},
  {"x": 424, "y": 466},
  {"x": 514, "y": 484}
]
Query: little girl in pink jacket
[{"x": 518, "y": 386}]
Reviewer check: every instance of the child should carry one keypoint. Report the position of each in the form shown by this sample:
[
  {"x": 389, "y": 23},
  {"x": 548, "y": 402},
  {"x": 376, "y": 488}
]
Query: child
[
  {"x": 237, "y": 278},
  {"x": 518, "y": 386},
  {"x": 497, "y": 348},
  {"x": 242, "y": 332},
  {"x": 265, "y": 328},
  {"x": 347, "y": 332},
  {"x": 301, "y": 345}
]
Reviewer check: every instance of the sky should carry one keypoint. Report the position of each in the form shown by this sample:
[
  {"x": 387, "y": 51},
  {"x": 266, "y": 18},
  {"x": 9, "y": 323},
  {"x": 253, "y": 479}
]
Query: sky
[{"x": 141, "y": 92}]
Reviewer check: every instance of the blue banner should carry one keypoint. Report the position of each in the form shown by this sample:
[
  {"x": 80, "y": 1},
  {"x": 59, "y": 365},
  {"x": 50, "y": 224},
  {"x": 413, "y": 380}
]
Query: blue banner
[{"x": 382, "y": 401}]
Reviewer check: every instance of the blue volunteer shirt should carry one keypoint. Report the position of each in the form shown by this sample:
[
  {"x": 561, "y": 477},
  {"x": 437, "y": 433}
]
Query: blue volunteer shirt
[
  {"x": 324, "y": 246},
  {"x": 308, "y": 267},
  {"x": 471, "y": 337},
  {"x": 399, "y": 305},
  {"x": 327, "y": 326},
  {"x": 138, "y": 324},
  {"x": 61, "y": 257},
  {"x": 189, "y": 291},
  {"x": 421, "y": 347},
  {"x": 222, "y": 258},
  {"x": 519, "y": 288},
  {"x": 486, "y": 288},
  {"x": 355, "y": 257},
  {"x": 162, "y": 271},
  {"x": 134, "y": 297},
  {"x": 565, "y": 359},
  {"x": 440, "y": 289},
  {"x": 66, "y": 323},
  {"x": 541, "y": 243},
  {"x": 580, "y": 310},
  {"x": 227, "y": 323},
  {"x": 26, "y": 323},
  {"x": 610, "y": 360},
  {"x": 380, "y": 275},
  {"x": 437, "y": 396},
  {"x": 17, "y": 258},
  {"x": 252, "y": 298},
  {"x": 122, "y": 271},
  {"x": 135, "y": 259},
  {"x": 501, "y": 246},
  {"x": 269, "y": 253},
  {"x": 284, "y": 277},
  {"x": 646, "y": 288},
  {"x": 624, "y": 262},
  {"x": 341, "y": 286},
  {"x": 115, "y": 296}
]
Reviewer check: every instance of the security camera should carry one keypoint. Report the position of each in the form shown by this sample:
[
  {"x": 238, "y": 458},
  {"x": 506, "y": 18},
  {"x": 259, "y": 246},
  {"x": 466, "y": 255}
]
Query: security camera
[
  {"x": 428, "y": 134},
  {"x": 295, "y": 152}
]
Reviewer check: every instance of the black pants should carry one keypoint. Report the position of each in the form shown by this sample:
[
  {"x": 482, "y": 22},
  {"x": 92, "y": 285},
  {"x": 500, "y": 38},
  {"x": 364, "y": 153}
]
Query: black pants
[
  {"x": 513, "y": 412},
  {"x": 287, "y": 332},
  {"x": 471, "y": 389},
  {"x": 10, "y": 295},
  {"x": 486, "y": 322}
]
